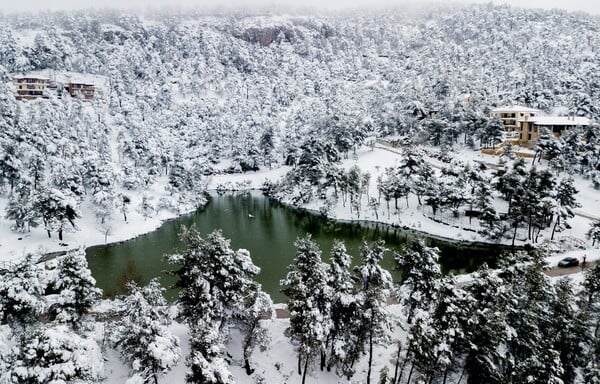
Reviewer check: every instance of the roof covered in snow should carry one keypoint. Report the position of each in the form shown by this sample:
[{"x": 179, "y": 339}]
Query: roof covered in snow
[
  {"x": 63, "y": 77},
  {"x": 515, "y": 108},
  {"x": 560, "y": 120},
  {"x": 30, "y": 76}
]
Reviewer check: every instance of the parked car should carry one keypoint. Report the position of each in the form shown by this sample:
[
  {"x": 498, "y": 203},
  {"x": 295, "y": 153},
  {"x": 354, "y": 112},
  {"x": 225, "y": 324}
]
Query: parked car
[{"x": 568, "y": 262}]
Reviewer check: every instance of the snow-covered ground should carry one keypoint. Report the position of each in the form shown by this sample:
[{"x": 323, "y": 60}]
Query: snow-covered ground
[
  {"x": 89, "y": 232},
  {"x": 277, "y": 363}
]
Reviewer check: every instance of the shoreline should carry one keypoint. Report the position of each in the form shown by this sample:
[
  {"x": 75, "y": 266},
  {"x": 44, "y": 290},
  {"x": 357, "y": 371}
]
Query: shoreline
[{"x": 361, "y": 222}]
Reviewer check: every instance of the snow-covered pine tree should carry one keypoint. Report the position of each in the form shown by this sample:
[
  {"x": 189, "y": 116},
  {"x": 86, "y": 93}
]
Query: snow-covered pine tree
[
  {"x": 487, "y": 330},
  {"x": 529, "y": 346},
  {"x": 217, "y": 287},
  {"x": 255, "y": 335},
  {"x": 569, "y": 330},
  {"x": 309, "y": 303},
  {"x": 21, "y": 291},
  {"x": 56, "y": 210},
  {"x": 55, "y": 355},
  {"x": 210, "y": 267},
  {"x": 594, "y": 232},
  {"x": 75, "y": 288},
  {"x": 488, "y": 217},
  {"x": 142, "y": 335},
  {"x": 592, "y": 309},
  {"x": 421, "y": 275},
  {"x": 20, "y": 207},
  {"x": 565, "y": 202},
  {"x": 375, "y": 284},
  {"x": 205, "y": 361},
  {"x": 343, "y": 346}
]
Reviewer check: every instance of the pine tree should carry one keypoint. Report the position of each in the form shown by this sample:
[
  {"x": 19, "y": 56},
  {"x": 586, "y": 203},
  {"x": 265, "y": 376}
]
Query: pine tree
[
  {"x": 20, "y": 207},
  {"x": 205, "y": 360},
  {"x": 55, "y": 355},
  {"x": 591, "y": 286},
  {"x": 254, "y": 334},
  {"x": 546, "y": 146},
  {"x": 142, "y": 335},
  {"x": 309, "y": 303},
  {"x": 217, "y": 287},
  {"x": 344, "y": 349},
  {"x": 375, "y": 284},
  {"x": 487, "y": 330},
  {"x": 488, "y": 217},
  {"x": 529, "y": 347},
  {"x": 214, "y": 279},
  {"x": 421, "y": 273},
  {"x": 56, "y": 210},
  {"x": 594, "y": 232},
  {"x": 565, "y": 203},
  {"x": 568, "y": 330},
  {"x": 21, "y": 290},
  {"x": 75, "y": 287}
]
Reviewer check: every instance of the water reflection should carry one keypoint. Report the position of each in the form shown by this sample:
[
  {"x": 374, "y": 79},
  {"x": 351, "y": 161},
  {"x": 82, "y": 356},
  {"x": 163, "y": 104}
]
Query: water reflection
[{"x": 268, "y": 230}]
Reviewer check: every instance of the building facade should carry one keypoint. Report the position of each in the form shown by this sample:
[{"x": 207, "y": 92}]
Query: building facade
[
  {"x": 30, "y": 87},
  {"x": 524, "y": 125},
  {"x": 33, "y": 86}
]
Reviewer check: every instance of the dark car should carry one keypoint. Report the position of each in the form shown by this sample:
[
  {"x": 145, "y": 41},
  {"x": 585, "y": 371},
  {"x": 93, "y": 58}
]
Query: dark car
[{"x": 568, "y": 262}]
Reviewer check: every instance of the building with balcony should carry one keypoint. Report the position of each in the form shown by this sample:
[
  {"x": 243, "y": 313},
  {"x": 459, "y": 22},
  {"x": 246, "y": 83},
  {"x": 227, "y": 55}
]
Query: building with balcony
[
  {"x": 48, "y": 82},
  {"x": 31, "y": 87},
  {"x": 80, "y": 90},
  {"x": 524, "y": 125}
]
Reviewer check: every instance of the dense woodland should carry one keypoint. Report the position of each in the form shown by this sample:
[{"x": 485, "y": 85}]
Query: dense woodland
[
  {"x": 512, "y": 325},
  {"x": 188, "y": 95}
]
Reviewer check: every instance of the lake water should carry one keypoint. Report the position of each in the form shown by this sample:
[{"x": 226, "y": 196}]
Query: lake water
[{"x": 268, "y": 230}]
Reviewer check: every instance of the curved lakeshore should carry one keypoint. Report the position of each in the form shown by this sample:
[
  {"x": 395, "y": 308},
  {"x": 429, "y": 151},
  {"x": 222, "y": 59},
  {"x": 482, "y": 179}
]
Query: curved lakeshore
[{"x": 268, "y": 230}]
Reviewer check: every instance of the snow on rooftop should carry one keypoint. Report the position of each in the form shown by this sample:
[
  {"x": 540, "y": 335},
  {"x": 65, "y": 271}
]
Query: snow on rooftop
[
  {"x": 30, "y": 76},
  {"x": 560, "y": 120},
  {"x": 515, "y": 108},
  {"x": 65, "y": 77}
]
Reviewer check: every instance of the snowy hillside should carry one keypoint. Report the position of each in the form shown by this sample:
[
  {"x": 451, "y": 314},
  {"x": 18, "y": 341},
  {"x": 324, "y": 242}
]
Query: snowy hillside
[{"x": 369, "y": 115}]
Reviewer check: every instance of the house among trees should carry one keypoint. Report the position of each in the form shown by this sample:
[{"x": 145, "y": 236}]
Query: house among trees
[
  {"x": 43, "y": 83},
  {"x": 84, "y": 91},
  {"x": 524, "y": 125},
  {"x": 30, "y": 87}
]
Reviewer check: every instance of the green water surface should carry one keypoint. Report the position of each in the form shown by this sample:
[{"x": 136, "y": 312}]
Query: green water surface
[{"x": 268, "y": 230}]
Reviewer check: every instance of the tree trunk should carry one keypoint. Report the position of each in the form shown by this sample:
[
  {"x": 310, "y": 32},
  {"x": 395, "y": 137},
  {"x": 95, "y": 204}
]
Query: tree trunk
[
  {"x": 445, "y": 376},
  {"x": 370, "y": 354},
  {"x": 410, "y": 373},
  {"x": 249, "y": 371},
  {"x": 49, "y": 234},
  {"x": 554, "y": 228},
  {"x": 60, "y": 234},
  {"x": 305, "y": 370},
  {"x": 299, "y": 364},
  {"x": 462, "y": 373},
  {"x": 397, "y": 365},
  {"x": 403, "y": 365}
]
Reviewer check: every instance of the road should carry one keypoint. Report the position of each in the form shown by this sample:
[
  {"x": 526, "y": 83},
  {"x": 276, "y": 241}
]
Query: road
[{"x": 557, "y": 271}]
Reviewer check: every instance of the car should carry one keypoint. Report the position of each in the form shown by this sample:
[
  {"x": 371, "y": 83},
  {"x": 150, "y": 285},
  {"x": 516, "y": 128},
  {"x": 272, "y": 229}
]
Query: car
[{"x": 568, "y": 262}]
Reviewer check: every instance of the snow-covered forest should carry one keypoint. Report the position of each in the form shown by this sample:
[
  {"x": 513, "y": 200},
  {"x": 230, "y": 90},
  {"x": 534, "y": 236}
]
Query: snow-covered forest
[
  {"x": 306, "y": 107},
  {"x": 512, "y": 325},
  {"x": 190, "y": 95}
]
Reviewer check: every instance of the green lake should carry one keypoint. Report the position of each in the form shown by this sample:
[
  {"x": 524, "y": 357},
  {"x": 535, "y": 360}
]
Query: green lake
[{"x": 268, "y": 230}]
